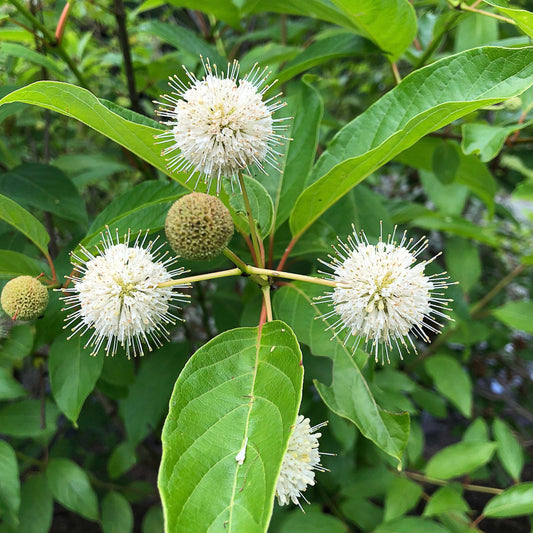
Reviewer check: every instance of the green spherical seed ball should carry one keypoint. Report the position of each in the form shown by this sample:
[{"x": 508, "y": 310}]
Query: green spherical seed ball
[
  {"x": 198, "y": 226},
  {"x": 24, "y": 298}
]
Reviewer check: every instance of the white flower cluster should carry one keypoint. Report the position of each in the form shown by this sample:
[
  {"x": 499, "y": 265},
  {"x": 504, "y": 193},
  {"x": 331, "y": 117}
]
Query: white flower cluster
[
  {"x": 218, "y": 126},
  {"x": 301, "y": 460},
  {"x": 384, "y": 296},
  {"x": 116, "y": 294}
]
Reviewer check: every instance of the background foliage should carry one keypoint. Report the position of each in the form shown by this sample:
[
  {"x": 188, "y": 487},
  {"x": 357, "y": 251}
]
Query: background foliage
[{"x": 446, "y": 152}]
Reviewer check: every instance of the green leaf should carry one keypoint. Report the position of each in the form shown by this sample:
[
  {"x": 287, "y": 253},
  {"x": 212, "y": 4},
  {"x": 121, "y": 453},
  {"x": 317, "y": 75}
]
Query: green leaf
[
  {"x": 312, "y": 521},
  {"x": 477, "y": 431},
  {"x": 149, "y": 395},
  {"x": 44, "y": 187},
  {"x": 73, "y": 373},
  {"x": 487, "y": 140},
  {"x": 13, "y": 264},
  {"x": 184, "y": 39},
  {"x": 121, "y": 460},
  {"x": 10, "y": 388},
  {"x": 401, "y": 497},
  {"x": 411, "y": 524},
  {"x": 452, "y": 381},
  {"x": 260, "y": 204},
  {"x": 444, "y": 500},
  {"x": 24, "y": 222},
  {"x": 117, "y": 516},
  {"x": 120, "y": 125},
  {"x": 473, "y": 31},
  {"x": 446, "y": 163},
  {"x": 459, "y": 459},
  {"x": 285, "y": 185},
  {"x": 397, "y": 120},
  {"x": 17, "y": 346},
  {"x": 523, "y": 18},
  {"x": 36, "y": 506},
  {"x": 516, "y": 315},
  {"x": 462, "y": 262},
  {"x": 516, "y": 501},
  {"x": 509, "y": 450},
  {"x": 23, "y": 419},
  {"x": 10, "y": 485},
  {"x": 342, "y": 44},
  {"x": 24, "y": 52},
  {"x": 71, "y": 488},
  {"x": 349, "y": 394},
  {"x": 153, "y": 520},
  {"x": 390, "y": 24},
  {"x": 240, "y": 392}
]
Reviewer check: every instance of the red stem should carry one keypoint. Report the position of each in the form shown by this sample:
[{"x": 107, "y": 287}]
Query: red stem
[
  {"x": 286, "y": 253},
  {"x": 62, "y": 23}
]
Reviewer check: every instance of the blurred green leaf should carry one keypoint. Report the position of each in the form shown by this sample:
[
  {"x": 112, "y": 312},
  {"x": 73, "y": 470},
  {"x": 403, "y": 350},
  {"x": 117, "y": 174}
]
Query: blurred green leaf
[
  {"x": 473, "y": 31},
  {"x": 495, "y": 74},
  {"x": 36, "y": 506},
  {"x": 459, "y": 459},
  {"x": 10, "y": 388},
  {"x": 71, "y": 488},
  {"x": 523, "y": 18},
  {"x": 445, "y": 499},
  {"x": 10, "y": 485},
  {"x": 17, "y": 346},
  {"x": 153, "y": 520},
  {"x": 14, "y": 264},
  {"x": 121, "y": 460},
  {"x": 452, "y": 381},
  {"x": 312, "y": 521},
  {"x": 24, "y": 419},
  {"x": 117, "y": 516},
  {"x": 402, "y": 496},
  {"x": 411, "y": 524},
  {"x": 509, "y": 450},
  {"x": 516, "y": 315},
  {"x": 73, "y": 373},
  {"x": 446, "y": 163},
  {"x": 24, "y": 52},
  {"x": 516, "y": 501},
  {"x": 241, "y": 389},
  {"x": 462, "y": 262}
]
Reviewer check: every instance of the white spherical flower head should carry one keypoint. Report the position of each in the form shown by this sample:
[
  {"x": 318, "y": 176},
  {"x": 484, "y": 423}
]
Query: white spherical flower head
[
  {"x": 384, "y": 297},
  {"x": 116, "y": 294},
  {"x": 220, "y": 125},
  {"x": 301, "y": 460}
]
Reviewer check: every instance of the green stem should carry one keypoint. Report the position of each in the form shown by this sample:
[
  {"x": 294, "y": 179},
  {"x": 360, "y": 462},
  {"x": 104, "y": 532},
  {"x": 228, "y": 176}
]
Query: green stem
[
  {"x": 234, "y": 258},
  {"x": 202, "y": 277},
  {"x": 268, "y": 303},
  {"x": 290, "y": 275},
  {"x": 251, "y": 223},
  {"x": 51, "y": 41},
  {"x": 441, "y": 482},
  {"x": 466, "y": 7}
]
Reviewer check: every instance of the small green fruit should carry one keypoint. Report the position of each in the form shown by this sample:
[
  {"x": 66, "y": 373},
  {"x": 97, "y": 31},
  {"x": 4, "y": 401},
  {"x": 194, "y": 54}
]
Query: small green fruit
[
  {"x": 24, "y": 298},
  {"x": 198, "y": 226}
]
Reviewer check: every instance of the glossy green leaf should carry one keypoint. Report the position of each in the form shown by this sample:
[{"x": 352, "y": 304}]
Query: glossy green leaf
[
  {"x": 284, "y": 186},
  {"x": 44, "y": 187},
  {"x": 411, "y": 524},
  {"x": 444, "y": 500},
  {"x": 24, "y": 222},
  {"x": 523, "y": 18},
  {"x": 516, "y": 315},
  {"x": 73, "y": 373},
  {"x": 10, "y": 485},
  {"x": 452, "y": 381},
  {"x": 487, "y": 140},
  {"x": 239, "y": 393},
  {"x": 71, "y": 488},
  {"x": 516, "y": 501},
  {"x": 402, "y": 496},
  {"x": 397, "y": 120},
  {"x": 342, "y": 44},
  {"x": 136, "y": 133},
  {"x": 149, "y": 395},
  {"x": 390, "y": 24},
  {"x": 459, "y": 459},
  {"x": 14, "y": 264},
  {"x": 117, "y": 516},
  {"x": 36, "y": 506},
  {"x": 509, "y": 450},
  {"x": 10, "y": 388},
  {"x": 24, "y": 419},
  {"x": 349, "y": 394}
]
